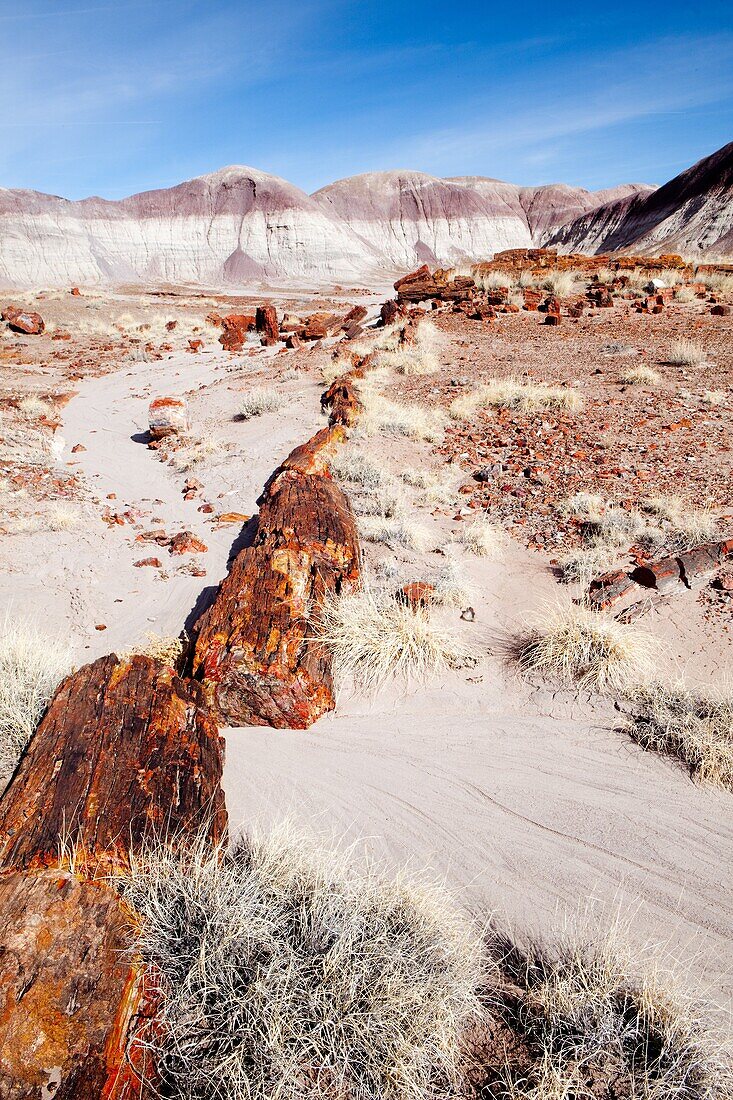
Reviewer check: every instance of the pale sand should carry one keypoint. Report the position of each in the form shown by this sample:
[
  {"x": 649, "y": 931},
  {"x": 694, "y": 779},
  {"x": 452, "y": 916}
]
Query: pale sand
[{"x": 527, "y": 801}]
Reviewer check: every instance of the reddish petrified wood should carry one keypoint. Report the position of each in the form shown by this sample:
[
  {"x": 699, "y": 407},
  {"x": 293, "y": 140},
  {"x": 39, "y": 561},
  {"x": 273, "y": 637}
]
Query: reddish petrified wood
[
  {"x": 69, "y": 991},
  {"x": 342, "y": 400},
  {"x": 126, "y": 750},
  {"x": 22, "y": 320},
  {"x": 255, "y": 650},
  {"x": 266, "y": 324}
]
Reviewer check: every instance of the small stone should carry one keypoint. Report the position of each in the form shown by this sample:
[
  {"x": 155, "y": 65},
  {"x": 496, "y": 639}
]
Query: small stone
[{"x": 154, "y": 562}]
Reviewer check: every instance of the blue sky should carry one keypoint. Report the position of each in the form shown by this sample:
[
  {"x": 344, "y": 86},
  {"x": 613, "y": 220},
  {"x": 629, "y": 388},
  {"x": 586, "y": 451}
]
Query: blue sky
[{"x": 104, "y": 97}]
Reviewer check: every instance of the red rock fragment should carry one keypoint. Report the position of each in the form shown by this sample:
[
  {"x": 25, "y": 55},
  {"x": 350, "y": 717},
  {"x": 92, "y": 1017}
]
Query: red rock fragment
[
  {"x": 266, "y": 324},
  {"x": 185, "y": 542},
  {"x": 609, "y": 589},
  {"x": 20, "y": 320},
  {"x": 155, "y": 563}
]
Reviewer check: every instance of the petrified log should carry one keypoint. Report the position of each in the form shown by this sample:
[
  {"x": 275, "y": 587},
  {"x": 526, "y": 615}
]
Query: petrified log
[
  {"x": 422, "y": 284},
  {"x": 22, "y": 320},
  {"x": 342, "y": 400},
  {"x": 266, "y": 323},
  {"x": 255, "y": 650},
  {"x": 68, "y": 990},
  {"x": 126, "y": 750}
]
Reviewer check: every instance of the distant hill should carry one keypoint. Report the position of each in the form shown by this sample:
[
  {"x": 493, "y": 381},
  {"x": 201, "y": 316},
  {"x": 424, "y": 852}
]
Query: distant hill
[{"x": 240, "y": 225}]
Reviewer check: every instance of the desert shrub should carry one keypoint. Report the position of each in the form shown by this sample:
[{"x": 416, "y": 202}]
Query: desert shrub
[
  {"x": 513, "y": 393},
  {"x": 399, "y": 418},
  {"x": 396, "y": 530},
  {"x": 259, "y": 400},
  {"x": 492, "y": 280},
  {"x": 32, "y": 664},
  {"x": 686, "y": 353},
  {"x": 482, "y": 537},
  {"x": 437, "y": 487},
  {"x": 641, "y": 376},
  {"x": 574, "y": 645},
  {"x": 689, "y": 524},
  {"x": 693, "y": 727},
  {"x": 561, "y": 283},
  {"x": 167, "y": 648},
  {"x": 451, "y": 586},
  {"x": 373, "y": 638},
  {"x": 288, "y": 970},
  {"x": 595, "y": 1014},
  {"x": 418, "y": 357}
]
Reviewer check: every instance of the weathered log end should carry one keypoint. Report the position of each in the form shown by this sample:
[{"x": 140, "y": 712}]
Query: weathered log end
[
  {"x": 69, "y": 991},
  {"x": 126, "y": 751}
]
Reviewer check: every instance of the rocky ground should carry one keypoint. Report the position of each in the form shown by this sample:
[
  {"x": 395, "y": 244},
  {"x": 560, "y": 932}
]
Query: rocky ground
[{"x": 527, "y": 799}]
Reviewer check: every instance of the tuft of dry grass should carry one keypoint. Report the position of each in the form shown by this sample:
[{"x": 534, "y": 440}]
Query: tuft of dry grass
[
  {"x": 693, "y": 727},
  {"x": 586, "y": 563},
  {"x": 714, "y": 397},
  {"x": 356, "y": 468},
  {"x": 260, "y": 400},
  {"x": 285, "y": 969},
  {"x": 398, "y": 418},
  {"x": 482, "y": 537},
  {"x": 684, "y": 294},
  {"x": 373, "y": 638},
  {"x": 686, "y": 353},
  {"x": 437, "y": 487},
  {"x": 597, "y": 1013},
  {"x": 396, "y": 530},
  {"x": 560, "y": 283},
  {"x": 197, "y": 452},
  {"x": 418, "y": 357},
  {"x": 513, "y": 393},
  {"x": 167, "y": 648},
  {"x": 574, "y": 645},
  {"x": 32, "y": 664},
  {"x": 641, "y": 376},
  {"x": 690, "y": 524}
]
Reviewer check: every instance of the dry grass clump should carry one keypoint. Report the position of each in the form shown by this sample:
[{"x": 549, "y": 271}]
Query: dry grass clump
[
  {"x": 560, "y": 283},
  {"x": 396, "y": 530},
  {"x": 167, "y": 648},
  {"x": 23, "y": 444},
  {"x": 574, "y": 645},
  {"x": 61, "y": 515},
  {"x": 686, "y": 353},
  {"x": 259, "y": 400},
  {"x": 513, "y": 393},
  {"x": 197, "y": 452},
  {"x": 719, "y": 281},
  {"x": 641, "y": 376},
  {"x": 693, "y": 727},
  {"x": 684, "y": 294},
  {"x": 451, "y": 587},
  {"x": 32, "y": 664},
  {"x": 356, "y": 468},
  {"x": 690, "y": 524},
  {"x": 385, "y": 501},
  {"x": 586, "y": 563},
  {"x": 714, "y": 397},
  {"x": 603, "y": 1022},
  {"x": 420, "y": 356},
  {"x": 482, "y": 537},
  {"x": 288, "y": 970},
  {"x": 493, "y": 280},
  {"x": 373, "y": 638},
  {"x": 398, "y": 418},
  {"x": 615, "y": 527},
  {"x": 437, "y": 487}
]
